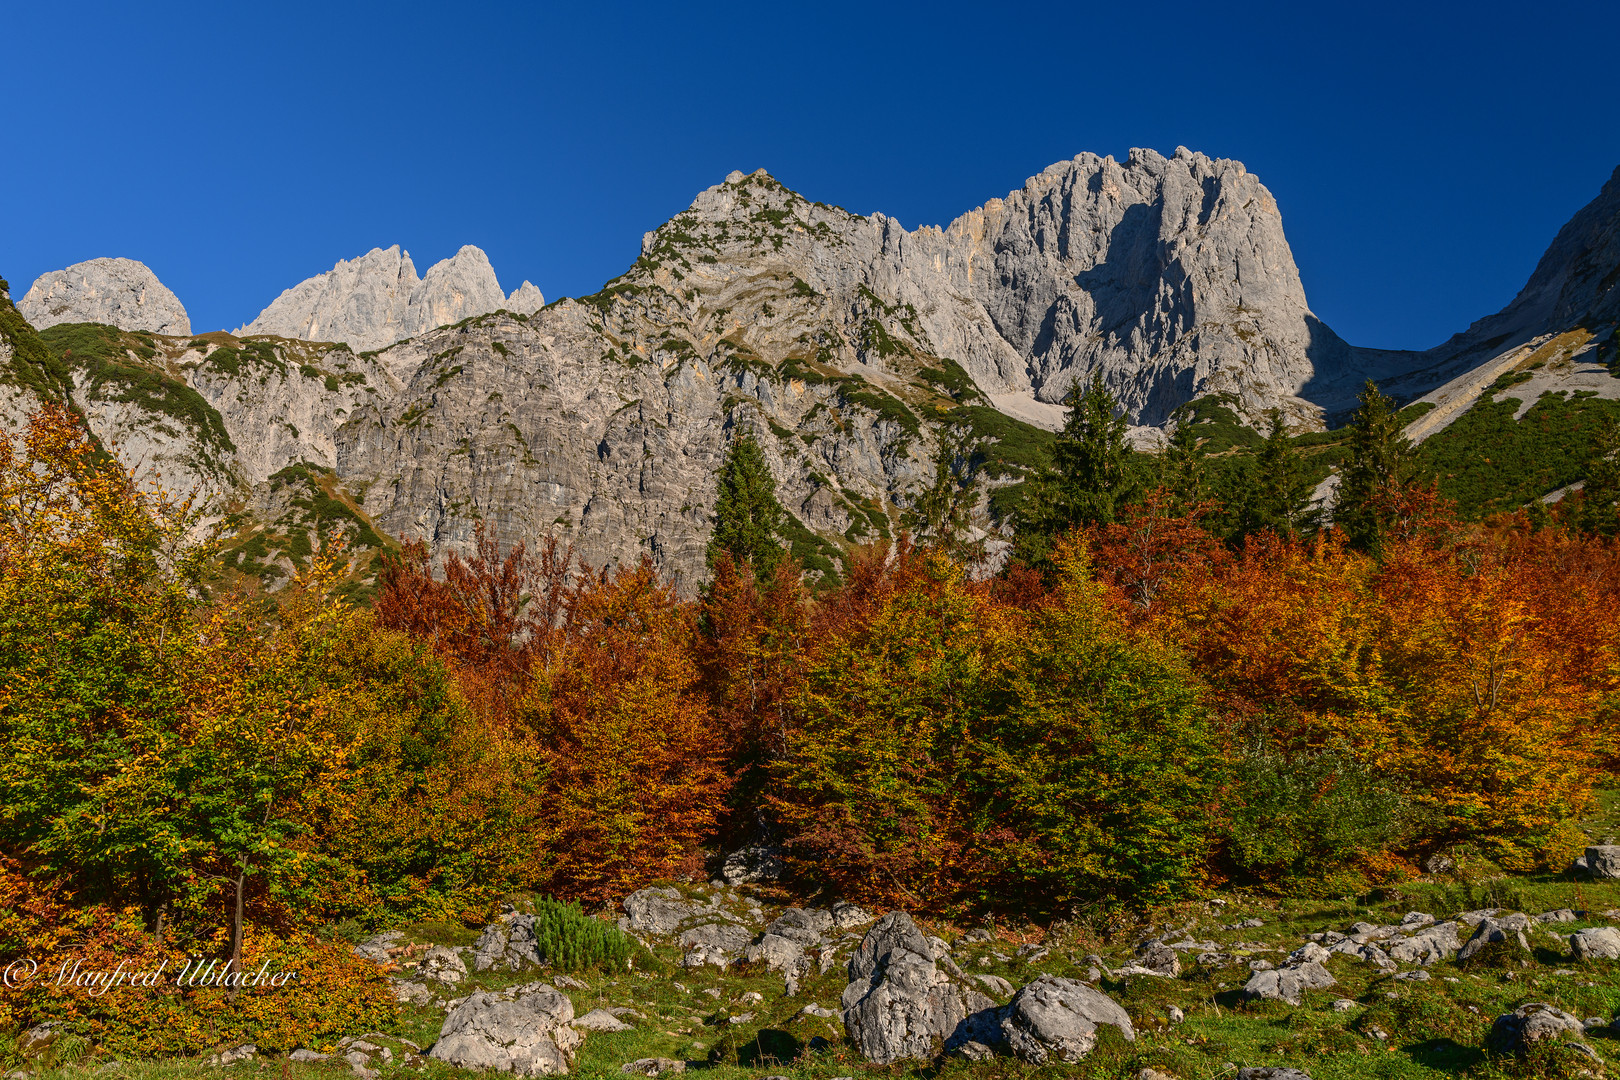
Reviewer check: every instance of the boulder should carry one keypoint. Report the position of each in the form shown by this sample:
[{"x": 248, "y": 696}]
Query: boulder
[
  {"x": 1288, "y": 983},
  {"x": 1598, "y": 943},
  {"x": 777, "y": 953},
  {"x": 525, "y": 1030},
  {"x": 1363, "y": 951},
  {"x": 658, "y": 911},
  {"x": 801, "y": 925},
  {"x": 1056, "y": 1020},
  {"x": 1153, "y": 958},
  {"x": 1492, "y": 930},
  {"x": 1435, "y": 943},
  {"x": 815, "y": 920},
  {"x": 367, "y": 1059},
  {"x": 442, "y": 964},
  {"x": 375, "y": 948},
  {"x": 1310, "y": 952},
  {"x": 1273, "y": 1074},
  {"x": 600, "y": 1020},
  {"x": 1531, "y": 1023},
  {"x": 848, "y": 916},
  {"x": 1603, "y": 861},
  {"x": 1416, "y": 920},
  {"x": 1474, "y": 918},
  {"x": 751, "y": 865},
  {"x": 412, "y": 993},
  {"x": 996, "y": 985},
  {"x": 1557, "y": 915},
  {"x": 245, "y": 1052},
  {"x": 507, "y": 945},
  {"x": 898, "y": 1003},
  {"x": 714, "y": 943},
  {"x": 652, "y": 1066}
]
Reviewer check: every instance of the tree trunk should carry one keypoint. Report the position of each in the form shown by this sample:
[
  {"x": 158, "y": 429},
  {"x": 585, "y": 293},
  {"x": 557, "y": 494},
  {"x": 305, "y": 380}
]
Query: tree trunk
[{"x": 236, "y": 935}]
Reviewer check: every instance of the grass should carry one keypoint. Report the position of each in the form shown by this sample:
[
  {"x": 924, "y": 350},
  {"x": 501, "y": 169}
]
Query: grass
[
  {"x": 1394, "y": 1030},
  {"x": 33, "y": 364}
]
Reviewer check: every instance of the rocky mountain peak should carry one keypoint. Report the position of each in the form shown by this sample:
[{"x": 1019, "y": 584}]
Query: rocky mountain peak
[
  {"x": 525, "y": 300},
  {"x": 377, "y": 299},
  {"x": 118, "y": 292},
  {"x": 1169, "y": 276}
]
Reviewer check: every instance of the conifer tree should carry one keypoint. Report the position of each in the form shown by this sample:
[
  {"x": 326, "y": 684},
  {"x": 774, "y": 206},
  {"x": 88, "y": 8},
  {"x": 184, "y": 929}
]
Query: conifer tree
[
  {"x": 1182, "y": 468},
  {"x": 1092, "y": 457},
  {"x": 1091, "y": 478},
  {"x": 748, "y": 519},
  {"x": 1382, "y": 465},
  {"x": 943, "y": 513},
  {"x": 1282, "y": 490}
]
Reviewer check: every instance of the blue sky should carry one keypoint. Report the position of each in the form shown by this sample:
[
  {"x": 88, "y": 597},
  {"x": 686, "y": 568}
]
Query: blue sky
[{"x": 1423, "y": 154}]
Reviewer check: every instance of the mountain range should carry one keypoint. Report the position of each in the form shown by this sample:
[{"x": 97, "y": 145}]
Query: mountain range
[{"x": 370, "y": 402}]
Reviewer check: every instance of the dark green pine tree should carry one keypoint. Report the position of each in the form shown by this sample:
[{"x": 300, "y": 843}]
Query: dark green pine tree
[
  {"x": 944, "y": 512},
  {"x": 748, "y": 521},
  {"x": 1092, "y": 458},
  {"x": 1092, "y": 476},
  {"x": 1282, "y": 490},
  {"x": 1383, "y": 463},
  {"x": 1183, "y": 470}
]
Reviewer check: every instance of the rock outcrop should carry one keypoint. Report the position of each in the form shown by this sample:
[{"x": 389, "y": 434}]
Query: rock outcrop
[
  {"x": 899, "y": 1002},
  {"x": 525, "y": 300},
  {"x": 118, "y": 292},
  {"x": 1509, "y": 929},
  {"x": 1056, "y": 1020},
  {"x": 1288, "y": 983},
  {"x": 1529, "y": 1024},
  {"x": 1171, "y": 277},
  {"x": 377, "y": 299},
  {"x": 525, "y": 1031},
  {"x": 1598, "y": 943}
]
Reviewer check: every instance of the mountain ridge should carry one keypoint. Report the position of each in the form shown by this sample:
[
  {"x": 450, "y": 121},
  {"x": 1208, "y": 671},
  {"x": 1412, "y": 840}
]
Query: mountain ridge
[{"x": 849, "y": 346}]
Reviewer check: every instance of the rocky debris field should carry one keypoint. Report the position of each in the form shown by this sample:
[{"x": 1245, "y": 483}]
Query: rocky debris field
[{"x": 1434, "y": 978}]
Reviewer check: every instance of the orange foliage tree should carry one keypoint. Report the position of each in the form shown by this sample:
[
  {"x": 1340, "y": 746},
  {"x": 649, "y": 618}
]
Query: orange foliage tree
[{"x": 637, "y": 766}]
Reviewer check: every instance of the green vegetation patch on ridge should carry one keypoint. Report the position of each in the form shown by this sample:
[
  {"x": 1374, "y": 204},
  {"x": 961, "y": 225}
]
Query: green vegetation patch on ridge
[
  {"x": 33, "y": 365},
  {"x": 1488, "y": 463},
  {"x": 103, "y": 352}
]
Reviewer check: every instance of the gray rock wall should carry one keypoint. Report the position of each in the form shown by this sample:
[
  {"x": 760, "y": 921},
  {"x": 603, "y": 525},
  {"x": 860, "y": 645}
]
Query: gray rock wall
[
  {"x": 377, "y": 299},
  {"x": 118, "y": 292}
]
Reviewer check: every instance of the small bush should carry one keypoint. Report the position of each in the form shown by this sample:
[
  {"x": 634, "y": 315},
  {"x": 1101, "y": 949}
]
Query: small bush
[{"x": 570, "y": 940}]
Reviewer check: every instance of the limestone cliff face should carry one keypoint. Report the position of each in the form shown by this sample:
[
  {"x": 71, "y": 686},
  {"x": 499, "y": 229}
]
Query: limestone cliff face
[
  {"x": 846, "y": 344},
  {"x": 118, "y": 292},
  {"x": 1170, "y": 276},
  {"x": 377, "y": 299}
]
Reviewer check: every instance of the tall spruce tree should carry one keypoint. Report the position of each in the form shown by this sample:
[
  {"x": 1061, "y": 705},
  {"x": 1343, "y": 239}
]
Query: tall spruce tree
[
  {"x": 1282, "y": 491},
  {"x": 1091, "y": 478},
  {"x": 943, "y": 513},
  {"x": 1092, "y": 457},
  {"x": 1183, "y": 470},
  {"x": 1382, "y": 464},
  {"x": 748, "y": 520}
]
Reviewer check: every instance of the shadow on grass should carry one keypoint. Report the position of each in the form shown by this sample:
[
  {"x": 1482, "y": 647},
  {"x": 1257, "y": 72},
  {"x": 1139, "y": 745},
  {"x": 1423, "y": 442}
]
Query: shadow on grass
[{"x": 1447, "y": 1055}]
